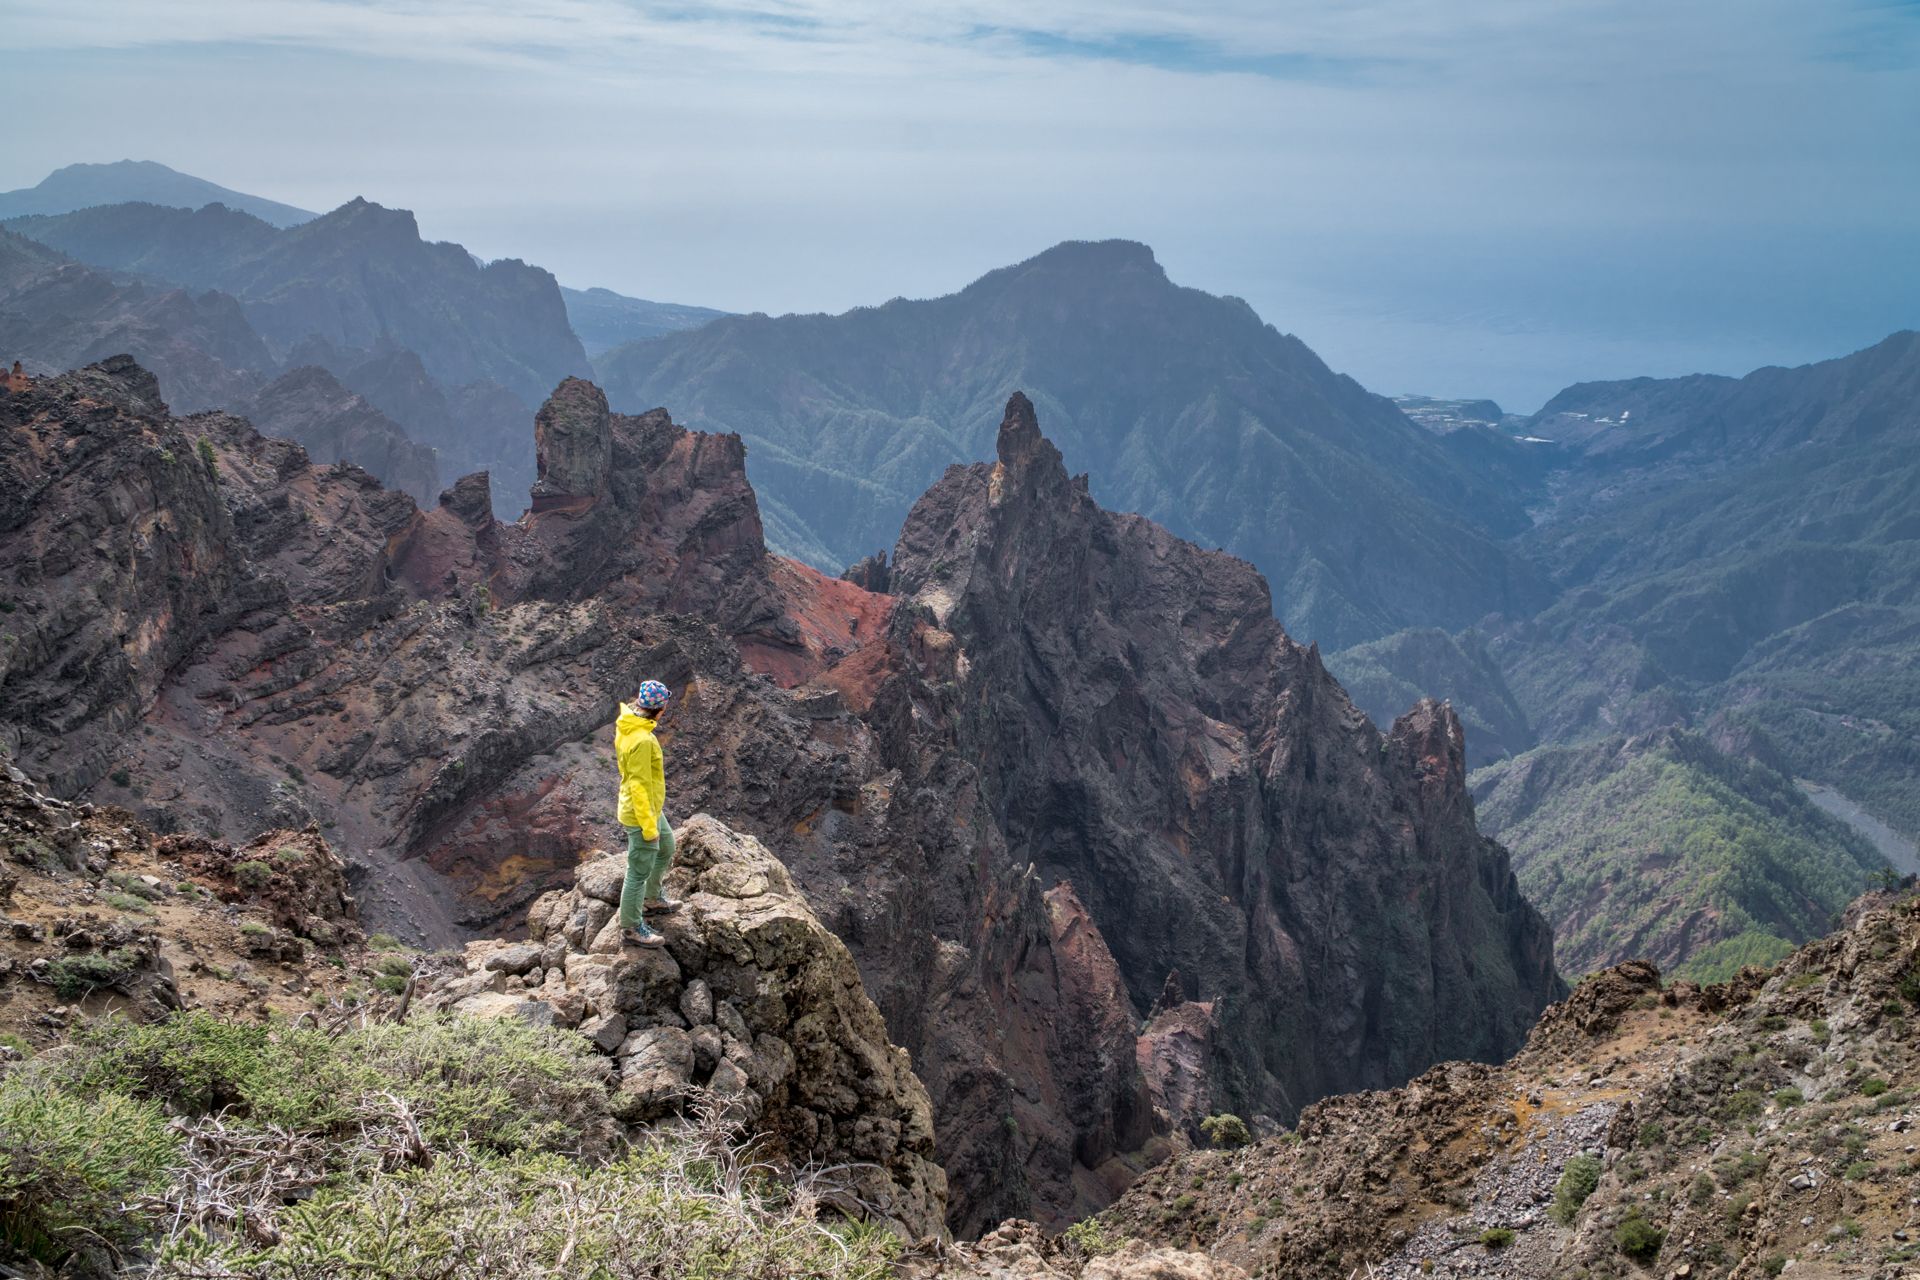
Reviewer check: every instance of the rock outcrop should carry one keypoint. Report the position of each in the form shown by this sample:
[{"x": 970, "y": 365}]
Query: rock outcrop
[
  {"x": 573, "y": 445},
  {"x": 751, "y": 1001}
]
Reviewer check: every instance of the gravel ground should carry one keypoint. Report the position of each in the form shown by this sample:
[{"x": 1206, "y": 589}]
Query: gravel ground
[{"x": 1512, "y": 1192}]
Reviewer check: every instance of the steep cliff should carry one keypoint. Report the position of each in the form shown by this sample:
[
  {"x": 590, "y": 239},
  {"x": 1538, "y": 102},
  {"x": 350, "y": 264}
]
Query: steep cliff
[{"x": 1147, "y": 732}]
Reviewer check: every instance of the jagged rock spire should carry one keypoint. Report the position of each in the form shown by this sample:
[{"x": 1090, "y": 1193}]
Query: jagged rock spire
[{"x": 573, "y": 442}]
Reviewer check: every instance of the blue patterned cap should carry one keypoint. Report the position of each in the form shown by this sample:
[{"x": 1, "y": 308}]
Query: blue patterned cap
[{"x": 653, "y": 695}]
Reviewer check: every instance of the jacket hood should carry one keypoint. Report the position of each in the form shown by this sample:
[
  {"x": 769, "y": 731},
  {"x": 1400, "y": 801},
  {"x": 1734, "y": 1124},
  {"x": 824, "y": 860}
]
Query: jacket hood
[{"x": 635, "y": 717}]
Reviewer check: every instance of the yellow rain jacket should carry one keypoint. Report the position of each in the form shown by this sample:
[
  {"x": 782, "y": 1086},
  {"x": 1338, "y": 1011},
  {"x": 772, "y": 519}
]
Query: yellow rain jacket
[{"x": 643, "y": 772}]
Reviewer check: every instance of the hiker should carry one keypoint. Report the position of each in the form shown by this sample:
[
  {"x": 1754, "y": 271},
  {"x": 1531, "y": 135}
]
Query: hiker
[{"x": 643, "y": 798}]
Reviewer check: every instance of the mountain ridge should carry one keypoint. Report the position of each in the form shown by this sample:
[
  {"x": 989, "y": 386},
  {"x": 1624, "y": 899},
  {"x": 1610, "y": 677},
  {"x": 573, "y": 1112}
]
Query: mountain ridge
[{"x": 1181, "y": 405}]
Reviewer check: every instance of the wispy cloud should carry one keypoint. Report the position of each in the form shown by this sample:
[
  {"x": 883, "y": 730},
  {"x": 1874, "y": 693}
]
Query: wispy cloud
[{"x": 1544, "y": 163}]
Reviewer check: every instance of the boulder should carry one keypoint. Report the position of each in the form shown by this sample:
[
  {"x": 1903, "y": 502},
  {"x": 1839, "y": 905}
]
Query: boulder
[{"x": 517, "y": 958}]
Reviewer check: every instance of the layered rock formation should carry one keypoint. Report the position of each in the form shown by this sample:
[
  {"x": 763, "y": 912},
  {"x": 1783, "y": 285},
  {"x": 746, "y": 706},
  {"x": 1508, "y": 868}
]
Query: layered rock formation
[{"x": 1070, "y": 755}]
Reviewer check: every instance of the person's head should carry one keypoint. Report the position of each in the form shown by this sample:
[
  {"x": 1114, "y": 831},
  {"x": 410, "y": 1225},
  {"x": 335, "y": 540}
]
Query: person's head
[{"x": 651, "y": 699}]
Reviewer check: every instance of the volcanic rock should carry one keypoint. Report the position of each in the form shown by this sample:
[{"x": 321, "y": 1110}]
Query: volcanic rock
[
  {"x": 808, "y": 1062},
  {"x": 573, "y": 439}
]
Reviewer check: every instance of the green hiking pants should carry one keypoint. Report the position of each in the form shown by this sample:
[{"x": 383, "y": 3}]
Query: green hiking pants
[{"x": 647, "y": 863}]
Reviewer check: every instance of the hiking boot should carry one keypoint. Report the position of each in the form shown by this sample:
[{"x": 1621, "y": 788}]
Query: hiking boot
[
  {"x": 638, "y": 935},
  {"x": 661, "y": 906}
]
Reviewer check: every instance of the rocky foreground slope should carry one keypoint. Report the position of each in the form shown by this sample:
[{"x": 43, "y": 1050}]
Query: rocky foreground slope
[
  {"x": 1110, "y": 851},
  {"x": 1647, "y": 1128}
]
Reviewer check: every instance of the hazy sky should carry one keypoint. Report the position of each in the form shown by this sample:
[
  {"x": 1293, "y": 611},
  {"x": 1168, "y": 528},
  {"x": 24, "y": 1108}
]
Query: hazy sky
[{"x": 1489, "y": 197}]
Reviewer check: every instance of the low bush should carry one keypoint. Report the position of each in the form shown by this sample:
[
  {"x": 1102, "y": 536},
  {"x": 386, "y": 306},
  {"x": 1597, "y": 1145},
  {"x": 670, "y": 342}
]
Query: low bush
[
  {"x": 1092, "y": 1237},
  {"x": 680, "y": 1208},
  {"x": 195, "y": 1063},
  {"x": 449, "y": 1147},
  {"x": 1225, "y": 1130},
  {"x": 1638, "y": 1238},
  {"x": 253, "y": 875},
  {"x": 1496, "y": 1238},
  {"x": 69, "y": 1163},
  {"x": 1577, "y": 1181},
  {"x": 76, "y": 977}
]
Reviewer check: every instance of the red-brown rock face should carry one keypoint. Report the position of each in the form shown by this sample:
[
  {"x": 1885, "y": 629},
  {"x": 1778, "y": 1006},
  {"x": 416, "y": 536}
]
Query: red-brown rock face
[{"x": 1069, "y": 754}]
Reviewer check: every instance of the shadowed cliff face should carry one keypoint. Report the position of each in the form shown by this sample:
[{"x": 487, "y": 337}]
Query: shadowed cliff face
[
  {"x": 1069, "y": 755},
  {"x": 1149, "y": 733}
]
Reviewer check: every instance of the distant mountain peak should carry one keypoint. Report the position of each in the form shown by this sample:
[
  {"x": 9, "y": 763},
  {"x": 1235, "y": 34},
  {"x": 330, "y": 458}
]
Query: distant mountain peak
[
  {"x": 367, "y": 218},
  {"x": 86, "y": 186},
  {"x": 1097, "y": 255}
]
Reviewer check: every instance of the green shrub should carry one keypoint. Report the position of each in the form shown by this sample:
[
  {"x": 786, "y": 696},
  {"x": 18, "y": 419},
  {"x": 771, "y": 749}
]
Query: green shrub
[
  {"x": 75, "y": 977},
  {"x": 498, "y": 1084},
  {"x": 1742, "y": 1104},
  {"x": 196, "y": 1063},
  {"x": 253, "y": 875},
  {"x": 390, "y": 983},
  {"x": 68, "y": 1164},
  {"x": 1496, "y": 1238},
  {"x": 663, "y": 1211},
  {"x": 1789, "y": 1097},
  {"x": 1577, "y": 1181},
  {"x": 1910, "y": 986},
  {"x": 289, "y": 855},
  {"x": 385, "y": 942},
  {"x": 127, "y": 902},
  {"x": 253, "y": 929},
  {"x": 1184, "y": 1202},
  {"x": 127, "y": 882},
  {"x": 1859, "y": 1170},
  {"x": 393, "y": 966},
  {"x": 208, "y": 458},
  {"x": 121, "y": 778},
  {"x": 1092, "y": 1238},
  {"x": 1774, "y": 1265},
  {"x": 1873, "y": 1087},
  {"x": 1638, "y": 1238},
  {"x": 1701, "y": 1193},
  {"x": 1732, "y": 1171},
  {"x": 1226, "y": 1130}
]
